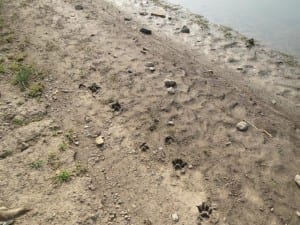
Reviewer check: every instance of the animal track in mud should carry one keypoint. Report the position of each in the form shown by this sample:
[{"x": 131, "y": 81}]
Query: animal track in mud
[
  {"x": 205, "y": 212},
  {"x": 144, "y": 147},
  {"x": 116, "y": 106},
  {"x": 179, "y": 164},
  {"x": 94, "y": 87},
  {"x": 169, "y": 140}
]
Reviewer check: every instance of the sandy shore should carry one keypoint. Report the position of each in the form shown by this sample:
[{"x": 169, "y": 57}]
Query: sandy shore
[
  {"x": 262, "y": 68},
  {"x": 103, "y": 124}
]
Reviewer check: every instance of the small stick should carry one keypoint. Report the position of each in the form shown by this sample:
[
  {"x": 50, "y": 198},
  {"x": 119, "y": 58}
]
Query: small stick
[{"x": 262, "y": 130}]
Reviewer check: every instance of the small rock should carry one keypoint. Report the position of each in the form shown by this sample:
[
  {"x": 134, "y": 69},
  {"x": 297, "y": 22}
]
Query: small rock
[
  {"x": 170, "y": 83},
  {"x": 145, "y": 31},
  {"x": 127, "y": 19},
  {"x": 143, "y": 13},
  {"x": 274, "y": 102},
  {"x": 159, "y": 13},
  {"x": 171, "y": 90},
  {"x": 242, "y": 126},
  {"x": 99, "y": 141},
  {"x": 175, "y": 217},
  {"x": 9, "y": 222},
  {"x": 149, "y": 64},
  {"x": 171, "y": 123},
  {"x": 79, "y": 7},
  {"x": 185, "y": 29},
  {"x": 297, "y": 180},
  {"x": 298, "y": 213},
  {"x": 24, "y": 146},
  {"x": 151, "y": 69}
]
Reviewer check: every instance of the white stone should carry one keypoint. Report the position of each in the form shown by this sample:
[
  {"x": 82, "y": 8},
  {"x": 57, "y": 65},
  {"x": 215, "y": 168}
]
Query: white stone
[
  {"x": 242, "y": 126},
  {"x": 99, "y": 140},
  {"x": 175, "y": 217},
  {"x": 171, "y": 90},
  {"x": 297, "y": 180}
]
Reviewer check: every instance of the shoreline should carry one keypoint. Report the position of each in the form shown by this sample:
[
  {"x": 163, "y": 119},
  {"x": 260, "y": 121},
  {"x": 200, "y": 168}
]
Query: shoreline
[
  {"x": 102, "y": 124},
  {"x": 276, "y": 72}
]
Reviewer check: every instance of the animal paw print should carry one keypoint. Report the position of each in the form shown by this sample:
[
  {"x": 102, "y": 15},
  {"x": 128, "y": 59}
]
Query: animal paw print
[
  {"x": 178, "y": 164},
  {"x": 205, "y": 212}
]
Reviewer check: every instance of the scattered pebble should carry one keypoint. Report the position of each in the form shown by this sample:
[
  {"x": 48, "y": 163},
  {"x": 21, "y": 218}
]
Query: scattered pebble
[
  {"x": 149, "y": 64},
  {"x": 185, "y": 29},
  {"x": 171, "y": 123},
  {"x": 143, "y": 13},
  {"x": 298, "y": 213},
  {"x": 127, "y": 19},
  {"x": 175, "y": 217},
  {"x": 242, "y": 126},
  {"x": 274, "y": 102},
  {"x": 145, "y": 31},
  {"x": 99, "y": 141},
  {"x": 152, "y": 69},
  {"x": 297, "y": 180},
  {"x": 171, "y": 91},
  {"x": 79, "y": 7},
  {"x": 170, "y": 83}
]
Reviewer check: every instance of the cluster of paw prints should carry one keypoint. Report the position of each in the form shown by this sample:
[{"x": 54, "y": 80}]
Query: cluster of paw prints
[{"x": 205, "y": 210}]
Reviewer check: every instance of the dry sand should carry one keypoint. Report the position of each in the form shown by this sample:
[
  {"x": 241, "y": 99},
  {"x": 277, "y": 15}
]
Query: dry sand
[{"x": 244, "y": 177}]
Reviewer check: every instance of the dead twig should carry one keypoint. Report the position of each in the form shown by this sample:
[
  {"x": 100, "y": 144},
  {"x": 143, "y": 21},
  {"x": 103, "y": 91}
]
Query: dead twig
[{"x": 262, "y": 130}]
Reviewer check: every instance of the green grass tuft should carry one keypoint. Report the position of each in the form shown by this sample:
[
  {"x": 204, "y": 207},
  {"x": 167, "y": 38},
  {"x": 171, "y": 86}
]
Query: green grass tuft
[
  {"x": 36, "y": 164},
  {"x": 63, "y": 177}
]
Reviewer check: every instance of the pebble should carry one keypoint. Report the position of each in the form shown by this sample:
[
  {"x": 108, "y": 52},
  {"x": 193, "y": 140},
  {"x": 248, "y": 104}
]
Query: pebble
[
  {"x": 79, "y": 7},
  {"x": 171, "y": 123},
  {"x": 149, "y": 64},
  {"x": 274, "y": 102},
  {"x": 127, "y": 19},
  {"x": 242, "y": 126},
  {"x": 99, "y": 141},
  {"x": 185, "y": 29},
  {"x": 145, "y": 31},
  {"x": 152, "y": 69},
  {"x": 171, "y": 90},
  {"x": 170, "y": 83},
  {"x": 298, "y": 213},
  {"x": 175, "y": 217},
  {"x": 297, "y": 180}
]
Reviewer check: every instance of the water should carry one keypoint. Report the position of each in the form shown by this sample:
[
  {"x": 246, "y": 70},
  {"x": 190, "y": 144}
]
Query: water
[{"x": 276, "y": 23}]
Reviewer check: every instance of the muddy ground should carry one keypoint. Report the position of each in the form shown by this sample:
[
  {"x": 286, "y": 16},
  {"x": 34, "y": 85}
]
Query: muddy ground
[{"x": 72, "y": 74}]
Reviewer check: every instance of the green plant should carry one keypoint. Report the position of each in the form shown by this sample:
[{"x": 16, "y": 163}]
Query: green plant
[
  {"x": 35, "y": 90},
  {"x": 18, "y": 121},
  {"x": 63, "y": 176},
  {"x": 36, "y": 164},
  {"x": 2, "y": 69},
  {"x": 63, "y": 146},
  {"x": 70, "y": 136},
  {"x": 22, "y": 76}
]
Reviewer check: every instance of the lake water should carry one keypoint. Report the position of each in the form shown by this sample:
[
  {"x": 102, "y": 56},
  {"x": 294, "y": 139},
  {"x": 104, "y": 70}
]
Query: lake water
[{"x": 276, "y": 23}]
